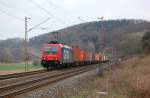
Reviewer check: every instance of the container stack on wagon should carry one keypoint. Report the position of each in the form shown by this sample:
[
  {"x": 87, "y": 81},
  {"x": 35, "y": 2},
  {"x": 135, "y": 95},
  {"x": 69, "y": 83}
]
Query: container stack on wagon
[
  {"x": 78, "y": 55},
  {"x": 57, "y": 55}
]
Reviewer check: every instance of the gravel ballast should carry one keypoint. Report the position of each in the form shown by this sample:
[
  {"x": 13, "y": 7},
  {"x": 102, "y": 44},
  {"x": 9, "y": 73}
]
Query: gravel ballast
[{"x": 68, "y": 87}]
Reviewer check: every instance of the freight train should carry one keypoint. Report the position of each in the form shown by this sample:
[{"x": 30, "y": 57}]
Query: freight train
[{"x": 56, "y": 55}]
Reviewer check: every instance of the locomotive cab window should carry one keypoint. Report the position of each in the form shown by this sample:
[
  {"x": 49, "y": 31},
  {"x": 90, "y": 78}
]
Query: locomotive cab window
[{"x": 51, "y": 50}]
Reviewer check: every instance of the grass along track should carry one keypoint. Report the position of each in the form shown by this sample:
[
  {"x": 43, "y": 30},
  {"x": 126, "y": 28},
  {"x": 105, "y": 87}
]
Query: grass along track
[
  {"x": 18, "y": 67},
  {"x": 22, "y": 87}
]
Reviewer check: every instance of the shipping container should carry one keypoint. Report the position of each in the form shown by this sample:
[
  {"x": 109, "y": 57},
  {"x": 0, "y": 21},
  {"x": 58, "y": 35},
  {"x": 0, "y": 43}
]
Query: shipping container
[
  {"x": 88, "y": 56},
  {"x": 84, "y": 55},
  {"x": 77, "y": 54},
  {"x": 97, "y": 57}
]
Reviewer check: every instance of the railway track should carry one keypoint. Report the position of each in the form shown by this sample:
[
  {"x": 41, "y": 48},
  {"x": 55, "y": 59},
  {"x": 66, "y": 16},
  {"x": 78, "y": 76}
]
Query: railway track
[
  {"x": 14, "y": 89},
  {"x": 2, "y": 77}
]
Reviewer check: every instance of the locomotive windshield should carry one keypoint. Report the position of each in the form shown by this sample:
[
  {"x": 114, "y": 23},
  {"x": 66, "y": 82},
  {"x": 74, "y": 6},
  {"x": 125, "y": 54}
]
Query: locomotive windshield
[{"x": 51, "y": 50}]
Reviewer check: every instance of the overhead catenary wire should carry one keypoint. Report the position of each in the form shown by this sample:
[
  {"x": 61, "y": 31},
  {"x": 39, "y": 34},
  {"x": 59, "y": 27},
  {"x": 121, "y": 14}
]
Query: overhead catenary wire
[
  {"x": 56, "y": 6},
  {"x": 38, "y": 24},
  {"x": 5, "y": 5},
  {"x": 25, "y": 12},
  {"x": 11, "y": 15},
  {"x": 65, "y": 12},
  {"x": 46, "y": 11}
]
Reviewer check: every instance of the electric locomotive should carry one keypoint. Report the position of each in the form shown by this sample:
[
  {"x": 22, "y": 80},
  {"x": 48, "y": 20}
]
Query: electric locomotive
[{"x": 55, "y": 54}]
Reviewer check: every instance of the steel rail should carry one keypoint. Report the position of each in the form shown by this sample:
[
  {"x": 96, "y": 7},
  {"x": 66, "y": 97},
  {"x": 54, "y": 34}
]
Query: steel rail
[
  {"x": 3, "y": 77},
  {"x": 31, "y": 85}
]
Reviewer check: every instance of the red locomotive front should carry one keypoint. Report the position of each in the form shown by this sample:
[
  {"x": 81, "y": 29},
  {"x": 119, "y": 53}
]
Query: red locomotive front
[{"x": 51, "y": 55}]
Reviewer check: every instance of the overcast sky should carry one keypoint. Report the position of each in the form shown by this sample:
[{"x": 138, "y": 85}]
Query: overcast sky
[{"x": 63, "y": 13}]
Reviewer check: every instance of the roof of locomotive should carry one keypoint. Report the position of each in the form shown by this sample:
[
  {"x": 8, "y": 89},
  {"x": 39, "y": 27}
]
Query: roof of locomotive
[
  {"x": 47, "y": 44},
  {"x": 54, "y": 43}
]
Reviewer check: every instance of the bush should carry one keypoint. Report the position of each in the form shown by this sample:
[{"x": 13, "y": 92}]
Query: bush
[{"x": 146, "y": 42}]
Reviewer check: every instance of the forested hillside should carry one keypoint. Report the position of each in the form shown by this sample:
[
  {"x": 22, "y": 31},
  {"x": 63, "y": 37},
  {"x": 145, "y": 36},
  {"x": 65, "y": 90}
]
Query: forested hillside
[
  {"x": 122, "y": 35},
  {"x": 11, "y": 50}
]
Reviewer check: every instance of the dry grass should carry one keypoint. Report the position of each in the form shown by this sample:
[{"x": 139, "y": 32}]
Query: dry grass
[{"x": 131, "y": 79}]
